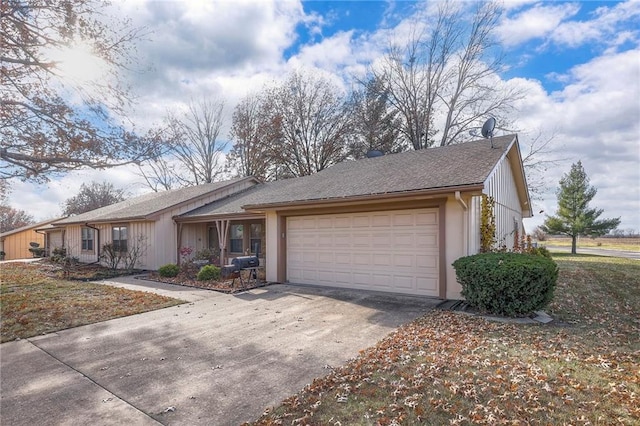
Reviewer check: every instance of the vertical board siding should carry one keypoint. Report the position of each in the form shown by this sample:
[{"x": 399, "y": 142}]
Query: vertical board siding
[
  {"x": 103, "y": 236},
  {"x": 141, "y": 233},
  {"x": 159, "y": 234},
  {"x": 475, "y": 218},
  {"x": 502, "y": 187},
  {"x": 16, "y": 246},
  {"x": 55, "y": 240},
  {"x": 195, "y": 235}
]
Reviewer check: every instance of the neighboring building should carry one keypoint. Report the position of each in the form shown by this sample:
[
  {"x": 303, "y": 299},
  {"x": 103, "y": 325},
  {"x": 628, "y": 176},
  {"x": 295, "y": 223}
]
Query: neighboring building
[
  {"x": 145, "y": 220},
  {"x": 16, "y": 244},
  {"x": 393, "y": 223}
]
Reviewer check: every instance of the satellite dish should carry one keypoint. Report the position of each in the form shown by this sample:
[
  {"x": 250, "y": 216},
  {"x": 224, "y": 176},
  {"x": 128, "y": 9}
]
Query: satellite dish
[{"x": 487, "y": 127}]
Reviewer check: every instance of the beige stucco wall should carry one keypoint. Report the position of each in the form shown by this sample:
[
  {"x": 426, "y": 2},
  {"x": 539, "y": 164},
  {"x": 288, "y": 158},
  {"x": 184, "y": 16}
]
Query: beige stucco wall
[
  {"x": 272, "y": 236},
  {"x": 456, "y": 242}
]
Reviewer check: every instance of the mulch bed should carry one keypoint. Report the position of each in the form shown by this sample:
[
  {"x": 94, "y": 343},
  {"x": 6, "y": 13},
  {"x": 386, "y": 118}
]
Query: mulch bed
[
  {"x": 96, "y": 272},
  {"x": 224, "y": 286}
]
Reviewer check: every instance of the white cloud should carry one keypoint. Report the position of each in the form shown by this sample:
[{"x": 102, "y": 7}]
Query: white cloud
[
  {"x": 604, "y": 28},
  {"x": 596, "y": 117},
  {"x": 611, "y": 26},
  {"x": 536, "y": 22},
  {"x": 45, "y": 201}
]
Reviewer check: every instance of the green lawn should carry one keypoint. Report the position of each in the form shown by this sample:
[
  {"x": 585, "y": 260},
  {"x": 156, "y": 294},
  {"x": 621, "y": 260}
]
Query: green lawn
[
  {"x": 32, "y": 303},
  {"x": 452, "y": 368}
]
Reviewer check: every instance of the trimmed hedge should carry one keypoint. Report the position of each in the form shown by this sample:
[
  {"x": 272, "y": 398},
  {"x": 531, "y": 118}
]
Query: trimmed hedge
[
  {"x": 169, "y": 270},
  {"x": 510, "y": 284},
  {"x": 208, "y": 273}
]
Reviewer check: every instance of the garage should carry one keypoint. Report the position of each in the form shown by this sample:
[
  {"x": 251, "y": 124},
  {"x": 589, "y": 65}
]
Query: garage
[{"x": 394, "y": 251}]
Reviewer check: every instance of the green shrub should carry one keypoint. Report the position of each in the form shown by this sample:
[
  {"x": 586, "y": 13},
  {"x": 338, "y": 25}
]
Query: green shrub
[
  {"x": 208, "y": 273},
  {"x": 540, "y": 251},
  {"x": 169, "y": 270},
  {"x": 511, "y": 284}
]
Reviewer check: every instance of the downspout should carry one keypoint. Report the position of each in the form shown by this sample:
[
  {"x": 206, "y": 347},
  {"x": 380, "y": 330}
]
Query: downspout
[
  {"x": 179, "y": 242},
  {"x": 465, "y": 221},
  {"x": 97, "y": 243},
  {"x": 461, "y": 201},
  {"x": 46, "y": 242}
]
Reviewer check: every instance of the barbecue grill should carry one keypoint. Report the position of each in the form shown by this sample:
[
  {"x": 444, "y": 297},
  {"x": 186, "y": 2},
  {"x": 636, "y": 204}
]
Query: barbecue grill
[
  {"x": 239, "y": 264},
  {"x": 244, "y": 262}
]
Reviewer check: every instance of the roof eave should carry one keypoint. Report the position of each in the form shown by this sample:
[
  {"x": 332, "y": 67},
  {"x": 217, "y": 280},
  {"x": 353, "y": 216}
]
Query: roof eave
[
  {"x": 521, "y": 179},
  {"x": 99, "y": 221},
  {"x": 388, "y": 196},
  {"x": 217, "y": 216},
  {"x": 155, "y": 215}
]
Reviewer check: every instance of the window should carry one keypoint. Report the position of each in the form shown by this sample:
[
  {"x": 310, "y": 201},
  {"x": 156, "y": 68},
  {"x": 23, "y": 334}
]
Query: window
[
  {"x": 256, "y": 238},
  {"x": 236, "y": 239},
  {"x": 119, "y": 238},
  {"x": 87, "y": 239}
]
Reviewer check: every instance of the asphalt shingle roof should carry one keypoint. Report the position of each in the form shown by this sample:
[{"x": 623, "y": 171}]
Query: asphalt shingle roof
[
  {"x": 443, "y": 167},
  {"x": 34, "y": 226},
  {"x": 145, "y": 205}
]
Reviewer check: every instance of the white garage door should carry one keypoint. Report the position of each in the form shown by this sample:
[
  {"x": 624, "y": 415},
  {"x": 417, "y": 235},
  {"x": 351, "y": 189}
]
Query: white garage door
[{"x": 394, "y": 251}]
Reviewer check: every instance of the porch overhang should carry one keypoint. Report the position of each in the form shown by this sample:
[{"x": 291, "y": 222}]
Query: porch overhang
[{"x": 213, "y": 218}]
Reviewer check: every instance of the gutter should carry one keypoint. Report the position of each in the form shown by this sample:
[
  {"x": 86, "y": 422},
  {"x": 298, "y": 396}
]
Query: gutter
[{"x": 465, "y": 221}]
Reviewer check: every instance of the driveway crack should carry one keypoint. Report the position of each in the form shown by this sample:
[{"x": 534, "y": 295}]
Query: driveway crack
[{"x": 66, "y": 364}]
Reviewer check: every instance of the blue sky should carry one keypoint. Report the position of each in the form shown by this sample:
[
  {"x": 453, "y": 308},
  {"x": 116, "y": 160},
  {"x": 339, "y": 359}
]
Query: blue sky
[{"x": 578, "y": 62}]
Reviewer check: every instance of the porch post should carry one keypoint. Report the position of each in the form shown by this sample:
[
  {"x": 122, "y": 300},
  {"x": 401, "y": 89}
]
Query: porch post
[
  {"x": 179, "y": 235},
  {"x": 223, "y": 228}
]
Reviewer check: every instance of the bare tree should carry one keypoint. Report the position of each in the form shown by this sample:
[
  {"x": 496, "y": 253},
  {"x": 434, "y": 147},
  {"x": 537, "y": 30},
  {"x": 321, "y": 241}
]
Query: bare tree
[
  {"x": 470, "y": 93},
  {"x": 41, "y": 132},
  {"x": 93, "y": 196},
  {"x": 374, "y": 125},
  {"x": 159, "y": 175},
  {"x": 194, "y": 142},
  {"x": 445, "y": 75},
  {"x": 253, "y": 133},
  {"x": 11, "y": 218},
  {"x": 537, "y": 157},
  {"x": 414, "y": 73},
  {"x": 314, "y": 124}
]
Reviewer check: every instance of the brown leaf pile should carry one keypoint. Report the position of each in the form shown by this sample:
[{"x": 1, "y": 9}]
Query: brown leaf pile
[{"x": 452, "y": 368}]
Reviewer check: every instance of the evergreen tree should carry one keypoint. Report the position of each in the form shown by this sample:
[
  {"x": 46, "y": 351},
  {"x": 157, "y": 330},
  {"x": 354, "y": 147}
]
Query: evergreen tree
[{"x": 574, "y": 217}]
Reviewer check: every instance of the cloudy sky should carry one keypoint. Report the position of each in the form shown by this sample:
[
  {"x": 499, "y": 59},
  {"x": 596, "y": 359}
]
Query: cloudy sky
[{"x": 579, "y": 63}]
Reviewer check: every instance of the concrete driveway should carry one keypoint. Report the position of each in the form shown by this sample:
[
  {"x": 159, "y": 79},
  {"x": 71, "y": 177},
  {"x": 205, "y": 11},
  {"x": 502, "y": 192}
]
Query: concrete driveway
[{"x": 216, "y": 360}]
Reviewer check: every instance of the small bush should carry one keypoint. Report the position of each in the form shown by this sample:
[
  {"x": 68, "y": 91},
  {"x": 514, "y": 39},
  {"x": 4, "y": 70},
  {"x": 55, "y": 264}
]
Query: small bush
[
  {"x": 511, "y": 284},
  {"x": 204, "y": 254},
  {"x": 169, "y": 270},
  {"x": 540, "y": 251},
  {"x": 58, "y": 254},
  {"x": 208, "y": 273}
]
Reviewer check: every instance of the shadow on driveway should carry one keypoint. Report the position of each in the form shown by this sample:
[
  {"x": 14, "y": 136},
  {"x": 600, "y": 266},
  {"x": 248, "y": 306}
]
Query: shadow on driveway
[{"x": 221, "y": 359}]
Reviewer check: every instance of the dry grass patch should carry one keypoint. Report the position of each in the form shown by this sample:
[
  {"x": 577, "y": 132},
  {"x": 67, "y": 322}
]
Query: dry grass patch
[
  {"x": 33, "y": 303},
  {"x": 607, "y": 243},
  {"x": 452, "y": 368}
]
